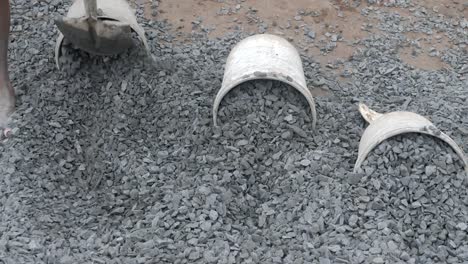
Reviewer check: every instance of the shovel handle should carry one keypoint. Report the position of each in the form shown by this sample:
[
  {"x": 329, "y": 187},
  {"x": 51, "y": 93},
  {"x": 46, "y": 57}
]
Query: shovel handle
[
  {"x": 4, "y": 36},
  {"x": 91, "y": 11},
  {"x": 91, "y": 8}
]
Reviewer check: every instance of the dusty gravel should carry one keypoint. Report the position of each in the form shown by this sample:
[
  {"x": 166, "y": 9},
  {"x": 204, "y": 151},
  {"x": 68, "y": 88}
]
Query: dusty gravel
[{"x": 116, "y": 160}]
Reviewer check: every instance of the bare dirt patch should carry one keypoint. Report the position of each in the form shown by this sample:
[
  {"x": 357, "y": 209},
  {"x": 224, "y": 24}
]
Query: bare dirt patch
[
  {"x": 448, "y": 8},
  {"x": 423, "y": 50},
  {"x": 295, "y": 20},
  {"x": 291, "y": 19}
]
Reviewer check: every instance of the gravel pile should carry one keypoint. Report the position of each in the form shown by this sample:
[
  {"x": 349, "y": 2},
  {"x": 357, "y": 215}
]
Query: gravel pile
[
  {"x": 410, "y": 201},
  {"x": 115, "y": 160}
]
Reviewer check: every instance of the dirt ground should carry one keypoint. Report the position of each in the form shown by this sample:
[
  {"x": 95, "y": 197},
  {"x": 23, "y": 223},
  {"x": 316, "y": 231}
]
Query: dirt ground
[{"x": 293, "y": 19}]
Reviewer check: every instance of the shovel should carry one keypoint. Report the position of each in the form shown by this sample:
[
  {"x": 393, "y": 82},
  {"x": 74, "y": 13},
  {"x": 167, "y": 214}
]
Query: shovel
[{"x": 100, "y": 27}]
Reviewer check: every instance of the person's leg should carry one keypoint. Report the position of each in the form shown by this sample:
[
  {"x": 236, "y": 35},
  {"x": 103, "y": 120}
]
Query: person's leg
[{"x": 7, "y": 93}]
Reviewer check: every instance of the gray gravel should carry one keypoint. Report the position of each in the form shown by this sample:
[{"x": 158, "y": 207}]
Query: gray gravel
[{"x": 115, "y": 160}]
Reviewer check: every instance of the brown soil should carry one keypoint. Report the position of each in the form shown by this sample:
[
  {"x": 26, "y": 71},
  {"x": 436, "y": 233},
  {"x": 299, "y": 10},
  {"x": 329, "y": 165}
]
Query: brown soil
[
  {"x": 422, "y": 59},
  {"x": 448, "y": 8},
  {"x": 292, "y": 19}
]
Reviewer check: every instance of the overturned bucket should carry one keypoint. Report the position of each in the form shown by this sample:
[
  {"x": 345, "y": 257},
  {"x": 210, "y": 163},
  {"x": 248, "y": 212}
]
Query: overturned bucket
[
  {"x": 101, "y": 27},
  {"x": 385, "y": 126},
  {"x": 264, "y": 56}
]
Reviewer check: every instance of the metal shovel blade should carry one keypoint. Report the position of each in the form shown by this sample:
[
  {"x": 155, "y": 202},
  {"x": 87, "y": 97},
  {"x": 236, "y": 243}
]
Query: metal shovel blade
[
  {"x": 101, "y": 37},
  {"x": 104, "y": 31}
]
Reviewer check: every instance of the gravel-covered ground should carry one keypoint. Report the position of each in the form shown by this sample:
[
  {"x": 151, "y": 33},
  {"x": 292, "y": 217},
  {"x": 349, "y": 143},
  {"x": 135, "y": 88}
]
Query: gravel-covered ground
[{"x": 116, "y": 160}]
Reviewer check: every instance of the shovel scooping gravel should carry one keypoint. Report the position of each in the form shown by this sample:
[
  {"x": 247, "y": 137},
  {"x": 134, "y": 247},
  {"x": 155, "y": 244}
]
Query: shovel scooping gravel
[{"x": 101, "y": 27}]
